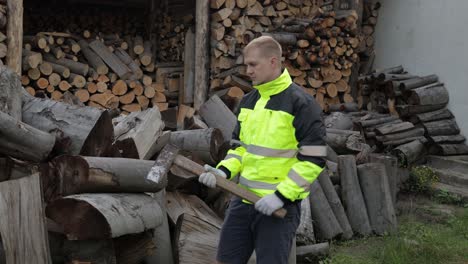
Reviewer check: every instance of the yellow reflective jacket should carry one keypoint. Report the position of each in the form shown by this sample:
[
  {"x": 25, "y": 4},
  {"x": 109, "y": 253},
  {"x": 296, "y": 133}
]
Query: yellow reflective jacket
[{"x": 280, "y": 136}]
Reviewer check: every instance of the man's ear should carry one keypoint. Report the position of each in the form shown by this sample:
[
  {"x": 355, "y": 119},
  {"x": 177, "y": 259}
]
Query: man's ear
[{"x": 274, "y": 61}]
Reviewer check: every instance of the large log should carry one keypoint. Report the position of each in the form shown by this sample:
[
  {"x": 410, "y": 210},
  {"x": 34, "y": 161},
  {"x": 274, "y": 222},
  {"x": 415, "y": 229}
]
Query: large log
[
  {"x": 428, "y": 96},
  {"x": 79, "y": 130},
  {"x": 77, "y": 174},
  {"x": 303, "y": 253},
  {"x": 393, "y": 128},
  {"x": 112, "y": 215},
  {"x": 374, "y": 183},
  {"x": 204, "y": 143},
  {"x": 110, "y": 59},
  {"x": 14, "y": 34},
  {"x": 305, "y": 231},
  {"x": 22, "y": 221},
  {"x": 450, "y": 149},
  {"x": 408, "y": 110},
  {"x": 322, "y": 214},
  {"x": 351, "y": 195},
  {"x": 23, "y": 141},
  {"x": 10, "y": 93},
  {"x": 202, "y": 55},
  {"x": 217, "y": 115},
  {"x": 136, "y": 135},
  {"x": 417, "y": 132},
  {"x": 189, "y": 67},
  {"x": 125, "y": 58},
  {"x": 409, "y": 152},
  {"x": 335, "y": 203},
  {"x": 443, "y": 127},
  {"x": 196, "y": 240},
  {"x": 133, "y": 249},
  {"x": 447, "y": 139},
  {"x": 75, "y": 67},
  {"x": 443, "y": 113},
  {"x": 93, "y": 59},
  {"x": 418, "y": 82}
]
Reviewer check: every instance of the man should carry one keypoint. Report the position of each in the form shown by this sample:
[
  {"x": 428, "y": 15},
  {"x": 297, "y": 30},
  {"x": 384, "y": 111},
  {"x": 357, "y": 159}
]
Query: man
[{"x": 280, "y": 136}]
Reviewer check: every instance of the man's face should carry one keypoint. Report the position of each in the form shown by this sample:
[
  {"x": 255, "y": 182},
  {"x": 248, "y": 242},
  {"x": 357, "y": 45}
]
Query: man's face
[{"x": 260, "y": 68}]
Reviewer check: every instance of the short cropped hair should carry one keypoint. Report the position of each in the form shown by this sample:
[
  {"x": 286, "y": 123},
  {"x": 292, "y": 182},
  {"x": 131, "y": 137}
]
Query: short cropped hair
[{"x": 269, "y": 46}]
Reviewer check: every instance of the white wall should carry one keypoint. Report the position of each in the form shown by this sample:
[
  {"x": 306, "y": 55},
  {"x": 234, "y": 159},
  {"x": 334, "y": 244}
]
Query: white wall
[{"x": 428, "y": 36}]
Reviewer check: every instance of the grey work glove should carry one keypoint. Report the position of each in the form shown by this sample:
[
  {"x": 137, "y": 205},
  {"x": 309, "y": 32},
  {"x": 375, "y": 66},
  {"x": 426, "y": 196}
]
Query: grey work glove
[
  {"x": 268, "y": 204},
  {"x": 208, "y": 178}
]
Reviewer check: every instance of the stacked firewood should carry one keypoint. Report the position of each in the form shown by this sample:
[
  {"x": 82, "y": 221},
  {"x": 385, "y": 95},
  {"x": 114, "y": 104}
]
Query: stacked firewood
[
  {"x": 319, "y": 48},
  {"x": 420, "y": 122},
  {"x": 367, "y": 39},
  {"x": 3, "y": 28}
]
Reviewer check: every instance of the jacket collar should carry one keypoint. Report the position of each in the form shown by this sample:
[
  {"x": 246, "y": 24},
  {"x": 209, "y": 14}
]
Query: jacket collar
[{"x": 276, "y": 86}]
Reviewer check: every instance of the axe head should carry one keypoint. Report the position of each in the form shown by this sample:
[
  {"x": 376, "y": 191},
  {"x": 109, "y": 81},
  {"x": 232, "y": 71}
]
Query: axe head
[{"x": 162, "y": 165}]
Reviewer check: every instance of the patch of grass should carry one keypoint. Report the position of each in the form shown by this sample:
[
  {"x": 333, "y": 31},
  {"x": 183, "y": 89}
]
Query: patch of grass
[{"x": 415, "y": 242}]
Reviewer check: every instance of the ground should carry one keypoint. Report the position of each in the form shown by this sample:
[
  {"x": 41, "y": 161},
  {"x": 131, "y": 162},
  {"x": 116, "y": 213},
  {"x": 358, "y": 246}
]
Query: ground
[{"x": 429, "y": 232}]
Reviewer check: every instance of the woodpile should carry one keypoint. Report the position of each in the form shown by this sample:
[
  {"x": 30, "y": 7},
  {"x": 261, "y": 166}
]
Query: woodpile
[
  {"x": 320, "y": 48},
  {"x": 413, "y": 118},
  {"x": 83, "y": 55},
  {"x": 367, "y": 36}
]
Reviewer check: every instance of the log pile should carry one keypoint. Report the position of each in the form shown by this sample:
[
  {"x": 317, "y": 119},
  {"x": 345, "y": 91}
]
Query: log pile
[
  {"x": 320, "y": 48},
  {"x": 418, "y": 122},
  {"x": 85, "y": 57}
]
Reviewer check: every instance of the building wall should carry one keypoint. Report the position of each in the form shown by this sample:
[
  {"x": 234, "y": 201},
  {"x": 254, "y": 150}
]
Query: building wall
[{"x": 428, "y": 36}]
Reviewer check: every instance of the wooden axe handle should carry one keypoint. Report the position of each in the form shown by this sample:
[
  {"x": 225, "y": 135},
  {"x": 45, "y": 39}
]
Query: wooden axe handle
[{"x": 223, "y": 183}]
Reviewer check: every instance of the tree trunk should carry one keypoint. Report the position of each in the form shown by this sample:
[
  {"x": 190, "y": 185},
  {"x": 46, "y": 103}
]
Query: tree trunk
[
  {"x": 75, "y": 67},
  {"x": 322, "y": 214},
  {"x": 335, "y": 204},
  {"x": 22, "y": 221},
  {"x": 442, "y": 128},
  {"x": 189, "y": 68},
  {"x": 93, "y": 59},
  {"x": 110, "y": 59},
  {"x": 204, "y": 143},
  {"x": 391, "y": 171},
  {"x": 418, "y": 82},
  {"x": 432, "y": 116},
  {"x": 305, "y": 230},
  {"x": 111, "y": 215},
  {"x": 14, "y": 34},
  {"x": 374, "y": 182},
  {"x": 136, "y": 135},
  {"x": 217, "y": 115},
  {"x": 202, "y": 56},
  {"x": 79, "y": 130},
  {"x": 76, "y": 174},
  {"x": 393, "y": 128},
  {"x": 408, "y": 110},
  {"x": 451, "y": 149},
  {"x": 312, "y": 251},
  {"x": 417, "y": 132},
  {"x": 23, "y": 141},
  {"x": 10, "y": 93},
  {"x": 196, "y": 241},
  {"x": 409, "y": 152},
  {"x": 353, "y": 201},
  {"x": 429, "y": 96},
  {"x": 447, "y": 139}
]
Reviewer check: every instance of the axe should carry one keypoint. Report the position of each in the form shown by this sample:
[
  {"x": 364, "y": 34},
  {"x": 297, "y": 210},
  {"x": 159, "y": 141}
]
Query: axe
[{"x": 170, "y": 155}]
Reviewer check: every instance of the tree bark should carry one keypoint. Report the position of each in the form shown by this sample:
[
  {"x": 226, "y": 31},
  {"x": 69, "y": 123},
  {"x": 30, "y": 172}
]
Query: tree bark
[
  {"x": 418, "y": 82},
  {"x": 432, "y": 116},
  {"x": 202, "y": 56},
  {"x": 136, "y": 135},
  {"x": 22, "y": 221},
  {"x": 14, "y": 34},
  {"x": 76, "y": 174},
  {"x": 429, "y": 96},
  {"x": 204, "y": 143},
  {"x": 442, "y": 127},
  {"x": 417, "y": 132},
  {"x": 79, "y": 130},
  {"x": 409, "y": 152},
  {"x": 305, "y": 230},
  {"x": 335, "y": 204},
  {"x": 10, "y": 93},
  {"x": 351, "y": 194},
  {"x": 408, "y": 110},
  {"x": 217, "y": 115},
  {"x": 22, "y": 141},
  {"x": 322, "y": 214},
  {"x": 393, "y": 128},
  {"x": 374, "y": 182},
  {"x": 111, "y": 215}
]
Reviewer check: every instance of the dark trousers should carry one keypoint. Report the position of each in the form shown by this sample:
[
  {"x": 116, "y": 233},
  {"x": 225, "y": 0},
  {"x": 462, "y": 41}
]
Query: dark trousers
[{"x": 245, "y": 229}]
